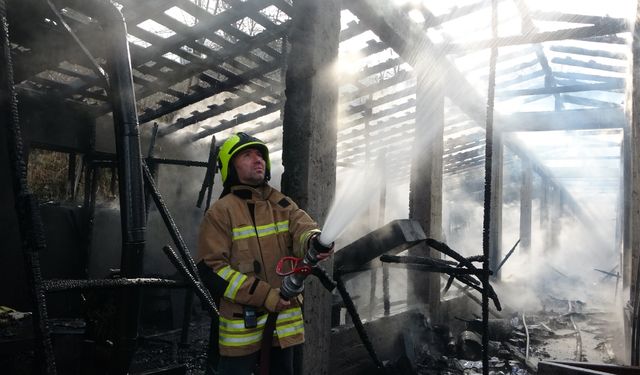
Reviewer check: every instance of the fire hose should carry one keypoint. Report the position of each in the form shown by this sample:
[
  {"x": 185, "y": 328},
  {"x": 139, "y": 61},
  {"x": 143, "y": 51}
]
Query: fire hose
[{"x": 300, "y": 268}]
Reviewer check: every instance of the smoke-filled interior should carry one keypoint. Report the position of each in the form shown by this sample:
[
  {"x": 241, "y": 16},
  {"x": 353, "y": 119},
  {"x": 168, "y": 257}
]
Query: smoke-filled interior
[{"x": 418, "y": 91}]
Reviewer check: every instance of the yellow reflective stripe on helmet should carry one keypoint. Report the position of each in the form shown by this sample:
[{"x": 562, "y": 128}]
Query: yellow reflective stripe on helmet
[
  {"x": 243, "y": 232},
  {"x": 234, "y": 285}
]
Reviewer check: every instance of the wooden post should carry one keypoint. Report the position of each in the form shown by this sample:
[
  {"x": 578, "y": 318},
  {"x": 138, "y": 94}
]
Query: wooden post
[
  {"x": 555, "y": 218},
  {"x": 544, "y": 213},
  {"x": 309, "y": 150},
  {"x": 635, "y": 192},
  {"x": 626, "y": 208},
  {"x": 495, "y": 229},
  {"x": 425, "y": 195},
  {"x": 525, "y": 206}
]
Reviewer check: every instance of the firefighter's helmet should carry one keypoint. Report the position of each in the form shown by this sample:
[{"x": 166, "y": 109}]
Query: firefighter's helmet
[{"x": 235, "y": 144}]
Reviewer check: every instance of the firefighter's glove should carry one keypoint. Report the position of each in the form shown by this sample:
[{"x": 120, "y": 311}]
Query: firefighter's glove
[
  {"x": 274, "y": 302},
  {"x": 323, "y": 252}
]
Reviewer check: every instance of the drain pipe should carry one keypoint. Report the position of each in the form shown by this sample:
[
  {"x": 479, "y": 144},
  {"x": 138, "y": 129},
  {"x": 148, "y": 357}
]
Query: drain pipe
[{"x": 130, "y": 181}]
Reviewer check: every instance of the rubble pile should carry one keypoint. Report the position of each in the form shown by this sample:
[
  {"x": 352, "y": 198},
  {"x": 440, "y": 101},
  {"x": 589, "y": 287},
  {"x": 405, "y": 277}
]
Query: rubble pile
[{"x": 561, "y": 330}]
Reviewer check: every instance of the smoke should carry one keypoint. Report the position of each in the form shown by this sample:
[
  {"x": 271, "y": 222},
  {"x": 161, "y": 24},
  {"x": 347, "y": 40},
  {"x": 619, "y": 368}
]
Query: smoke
[{"x": 564, "y": 253}]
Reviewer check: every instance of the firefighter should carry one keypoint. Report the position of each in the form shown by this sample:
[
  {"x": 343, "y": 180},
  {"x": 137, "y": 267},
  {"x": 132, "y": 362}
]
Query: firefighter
[{"x": 242, "y": 237}]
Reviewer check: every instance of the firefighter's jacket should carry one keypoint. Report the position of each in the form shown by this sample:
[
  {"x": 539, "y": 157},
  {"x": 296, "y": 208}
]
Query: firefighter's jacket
[{"x": 242, "y": 237}]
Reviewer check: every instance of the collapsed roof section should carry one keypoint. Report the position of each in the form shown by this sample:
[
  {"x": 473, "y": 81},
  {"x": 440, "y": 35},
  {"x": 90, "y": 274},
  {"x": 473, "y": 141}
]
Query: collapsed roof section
[{"x": 216, "y": 67}]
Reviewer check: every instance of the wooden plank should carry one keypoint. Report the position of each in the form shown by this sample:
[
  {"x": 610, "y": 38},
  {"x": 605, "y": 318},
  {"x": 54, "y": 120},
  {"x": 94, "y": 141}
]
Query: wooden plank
[
  {"x": 589, "y": 52},
  {"x": 560, "y": 89},
  {"x": 575, "y": 119},
  {"x": 425, "y": 192},
  {"x": 205, "y": 93},
  {"x": 525, "y": 205},
  {"x": 309, "y": 150},
  {"x": 608, "y": 27}
]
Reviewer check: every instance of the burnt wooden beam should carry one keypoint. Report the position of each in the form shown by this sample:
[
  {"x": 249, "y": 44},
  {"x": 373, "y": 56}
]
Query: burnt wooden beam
[
  {"x": 520, "y": 79},
  {"x": 214, "y": 110},
  {"x": 353, "y": 29},
  {"x": 309, "y": 134},
  {"x": 574, "y": 18},
  {"x": 589, "y": 52},
  {"x": 400, "y": 77},
  {"x": 458, "y": 12},
  {"x": 589, "y": 64},
  {"x": 384, "y": 130},
  {"x": 575, "y": 119},
  {"x": 205, "y": 93},
  {"x": 165, "y": 80},
  {"x": 528, "y": 27},
  {"x": 351, "y": 109},
  {"x": 413, "y": 45},
  {"x": 590, "y": 102},
  {"x": 405, "y": 106},
  {"x": 590, "y": 77},
  {"x": 238, "y": 120},
  {"x": 199, "y": 30},
  {"x": 371, "y": 70},
  {"x": 606, "y": 39},
  {"x": 612, "y": 26},
  {"x": 560, "y": 89}
]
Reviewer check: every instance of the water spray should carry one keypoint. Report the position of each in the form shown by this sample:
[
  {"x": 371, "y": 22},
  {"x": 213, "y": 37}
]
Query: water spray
[{"x": 348, "y": 203}]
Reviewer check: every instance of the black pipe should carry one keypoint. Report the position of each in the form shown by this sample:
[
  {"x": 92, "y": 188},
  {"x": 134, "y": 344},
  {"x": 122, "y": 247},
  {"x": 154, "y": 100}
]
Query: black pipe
[
  {"x": 26, "y": 205},
  {"x": 107, "y": 160},
  {"x": 64, "y": 285},
  {"x": 153, "y": 168},
  {"x": 203, "y": 294},
  {"x": 130, "y": 189},
  {"x": 486, "y": 224},
  {"x": 170, "y": 223},
  {"x": 207, "y": 183}
]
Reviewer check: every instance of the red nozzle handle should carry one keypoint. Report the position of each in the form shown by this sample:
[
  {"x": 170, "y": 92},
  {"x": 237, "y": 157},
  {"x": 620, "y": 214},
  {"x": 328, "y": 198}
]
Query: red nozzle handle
[{"x": 295, "y": 266}]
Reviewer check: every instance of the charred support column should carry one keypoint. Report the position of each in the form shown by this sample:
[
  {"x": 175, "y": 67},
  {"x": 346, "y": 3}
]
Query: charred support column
[
  {"x": 635, "y": 196},
  {"x": 545, "y": 196},
  {"x": 624, "y": 200},
  {"x": 626, "y": 265},
  {"x": 24, "y": 232},
  {"x": 12, "y": 269},
  {"x": 495, "y": 229},
  {"x": 525, "y": 205},
  {"x": 309, "y": 149},
  {"x": 131, "y": 188},
  {"x": 556, "y": 211},
  {"x": 425, "y": 196}
]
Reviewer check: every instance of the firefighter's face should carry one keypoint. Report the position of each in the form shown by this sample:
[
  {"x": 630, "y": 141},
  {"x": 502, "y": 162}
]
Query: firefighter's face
[{"x": 250, "y": 166}]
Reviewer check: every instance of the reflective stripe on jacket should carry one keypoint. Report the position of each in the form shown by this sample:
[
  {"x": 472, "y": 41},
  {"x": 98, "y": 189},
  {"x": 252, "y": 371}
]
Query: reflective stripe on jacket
[
  {"x": 242, "y": 238},
  {"x": 233, "y": 333}
]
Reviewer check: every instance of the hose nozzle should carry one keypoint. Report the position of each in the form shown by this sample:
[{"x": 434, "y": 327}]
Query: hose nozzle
[{"x": 293, "y": 284}]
